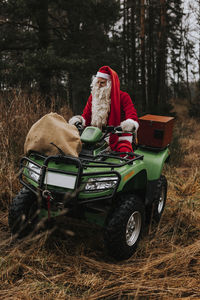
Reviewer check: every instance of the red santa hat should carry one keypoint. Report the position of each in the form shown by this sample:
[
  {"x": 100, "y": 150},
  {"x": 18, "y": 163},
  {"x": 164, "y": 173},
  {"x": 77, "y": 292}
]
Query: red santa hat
[
  {"x": 109, "y": 74},
  {"x": 103, "y": 73},
  {"x": 115, "y": 114}
]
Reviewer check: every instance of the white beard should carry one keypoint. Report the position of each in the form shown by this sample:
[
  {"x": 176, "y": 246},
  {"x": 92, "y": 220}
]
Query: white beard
[{"x": 100, "y": 104}]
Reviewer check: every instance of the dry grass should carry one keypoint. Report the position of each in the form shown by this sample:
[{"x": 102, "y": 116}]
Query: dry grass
[
  {"x": 58, "y": 265},
  {"x": 17, "y": 114}
]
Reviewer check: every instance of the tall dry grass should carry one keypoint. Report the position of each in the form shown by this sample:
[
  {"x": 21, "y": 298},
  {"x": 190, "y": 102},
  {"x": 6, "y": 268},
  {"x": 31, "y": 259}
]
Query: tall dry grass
[
  {"x": 18, "y": 112},
  {"x": 58, "y": 264}
]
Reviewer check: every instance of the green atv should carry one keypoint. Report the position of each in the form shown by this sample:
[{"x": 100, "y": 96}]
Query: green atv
[{"x": 119, "y": 193}]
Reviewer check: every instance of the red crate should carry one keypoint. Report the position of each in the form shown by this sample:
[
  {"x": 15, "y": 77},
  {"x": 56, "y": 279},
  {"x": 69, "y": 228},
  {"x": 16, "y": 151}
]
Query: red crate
[{"x": 155, "y": 131}]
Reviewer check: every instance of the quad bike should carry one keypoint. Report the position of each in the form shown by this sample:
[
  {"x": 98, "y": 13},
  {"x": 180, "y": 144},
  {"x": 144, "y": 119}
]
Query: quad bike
[{"x": 100, "y": 185}]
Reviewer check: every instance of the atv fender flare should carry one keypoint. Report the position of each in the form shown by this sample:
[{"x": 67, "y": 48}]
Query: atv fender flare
[
  {"x": 137, "y": 182},
  {"x": 154, "y": 161},
  {"x": 129, "y": 176}
]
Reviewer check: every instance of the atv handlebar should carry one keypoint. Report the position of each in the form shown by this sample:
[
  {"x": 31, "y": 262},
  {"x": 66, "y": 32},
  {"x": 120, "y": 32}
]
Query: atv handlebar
[
  {"x": 115, "y": 129},
  {"x": 79, "y": 126},
  {"x": 111, "y": 129},
  {"x": 105, "y": 129}
]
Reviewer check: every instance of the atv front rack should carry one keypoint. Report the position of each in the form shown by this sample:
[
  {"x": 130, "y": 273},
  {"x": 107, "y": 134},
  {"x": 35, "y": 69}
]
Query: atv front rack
[
  {"x": 84, "y": 166},
  {"x": 129, "y": 158}
]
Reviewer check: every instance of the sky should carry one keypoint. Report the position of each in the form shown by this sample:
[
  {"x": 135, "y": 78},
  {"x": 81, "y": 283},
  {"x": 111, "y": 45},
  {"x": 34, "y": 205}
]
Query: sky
[{"x": 192, "y": 13}]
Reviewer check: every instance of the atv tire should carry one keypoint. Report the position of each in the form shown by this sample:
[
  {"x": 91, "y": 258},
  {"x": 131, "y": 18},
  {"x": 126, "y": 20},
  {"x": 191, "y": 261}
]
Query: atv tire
[
  {"x": 155, "y": 210},
  {"x": 22, "y": 216},
  {"x": 124, "y": 227}
]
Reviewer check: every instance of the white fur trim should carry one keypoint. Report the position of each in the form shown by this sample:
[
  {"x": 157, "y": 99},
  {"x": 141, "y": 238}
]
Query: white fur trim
[
  {"x": 126, "y": 138},
  {"x": 103, "y": 75},
  {"x": 121, "y": 138},
  {"x": 75, "y": 119},
  {"x": 129, "y": 125}
]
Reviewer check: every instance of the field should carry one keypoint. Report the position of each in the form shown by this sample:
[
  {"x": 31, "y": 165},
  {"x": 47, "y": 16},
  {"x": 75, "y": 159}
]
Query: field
[{"x": 69, "y": 261}]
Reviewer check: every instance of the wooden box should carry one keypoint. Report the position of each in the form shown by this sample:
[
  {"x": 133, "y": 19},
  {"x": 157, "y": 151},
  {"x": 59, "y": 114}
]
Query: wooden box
[{"x": 155, "y": 131}]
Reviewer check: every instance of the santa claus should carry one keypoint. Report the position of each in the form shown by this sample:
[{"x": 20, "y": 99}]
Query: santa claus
[{"x": 108, "y": 105}]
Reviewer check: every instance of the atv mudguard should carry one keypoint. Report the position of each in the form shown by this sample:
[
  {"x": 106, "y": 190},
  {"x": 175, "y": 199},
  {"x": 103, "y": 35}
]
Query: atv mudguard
[
  {"x": 133, "y": 178},
  {"x": 153, "y": 161},
  {"x": 145, "y": 174},
  {"x": 143, "y": 171}
]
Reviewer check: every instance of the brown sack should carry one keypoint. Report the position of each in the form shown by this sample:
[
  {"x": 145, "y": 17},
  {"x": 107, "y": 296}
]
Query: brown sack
[{"x": 52, "y": 128}]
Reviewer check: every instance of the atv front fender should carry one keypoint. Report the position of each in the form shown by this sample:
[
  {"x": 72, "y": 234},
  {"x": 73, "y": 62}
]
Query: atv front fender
[
  {"x": 153, "y": 161},
  {"x": 133, "y": 177}
]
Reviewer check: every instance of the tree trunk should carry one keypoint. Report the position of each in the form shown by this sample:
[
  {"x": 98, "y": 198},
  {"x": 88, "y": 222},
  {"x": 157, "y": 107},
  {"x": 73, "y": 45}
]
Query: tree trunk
[
  {"x": 133, "y": 47},
  {"x": 161, "y": 56},
  {"x": 124, "y": 78},
  {"x": 43, "y": 37},
  {"x": 150, "y": 55},
  {"x": 143, "y": 60}
]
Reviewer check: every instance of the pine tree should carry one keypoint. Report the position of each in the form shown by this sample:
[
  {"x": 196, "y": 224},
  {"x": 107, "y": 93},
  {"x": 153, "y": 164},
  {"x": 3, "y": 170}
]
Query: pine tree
[
  {"x": 55, "y": 46},
  {"x": 154, "y": 40}
]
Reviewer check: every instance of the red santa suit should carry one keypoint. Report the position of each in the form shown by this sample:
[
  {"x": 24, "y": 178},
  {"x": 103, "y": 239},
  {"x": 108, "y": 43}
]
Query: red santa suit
[{"x": 121, "y": 112}]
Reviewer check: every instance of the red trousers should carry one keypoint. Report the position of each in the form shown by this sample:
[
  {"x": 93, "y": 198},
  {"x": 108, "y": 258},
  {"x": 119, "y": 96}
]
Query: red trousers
[{"x": 122, "y": 146}]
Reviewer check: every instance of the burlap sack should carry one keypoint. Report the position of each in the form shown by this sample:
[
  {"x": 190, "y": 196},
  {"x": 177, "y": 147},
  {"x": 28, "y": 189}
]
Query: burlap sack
[{"x": 52, "y": 128}]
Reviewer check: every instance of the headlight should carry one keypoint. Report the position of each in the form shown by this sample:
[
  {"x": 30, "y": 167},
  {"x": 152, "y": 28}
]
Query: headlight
[
  {"x": 34, "y": 171},
  {"x": 101, "y": 183}
]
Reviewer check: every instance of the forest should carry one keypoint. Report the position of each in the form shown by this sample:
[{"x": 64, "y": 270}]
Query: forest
[
  {"x": 56, "y": 48},
  {"x": 49, "y": 53}
]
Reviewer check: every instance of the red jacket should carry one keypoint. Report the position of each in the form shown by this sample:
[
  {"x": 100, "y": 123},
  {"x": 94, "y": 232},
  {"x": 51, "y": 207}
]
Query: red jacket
[{"x": 127, "y": 109}]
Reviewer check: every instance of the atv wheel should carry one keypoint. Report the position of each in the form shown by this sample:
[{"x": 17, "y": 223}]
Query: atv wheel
[
  {"x": 154, "y": 211},
  {"x": 22, "y": 216},
  {"x": 124, "y": 227}
]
